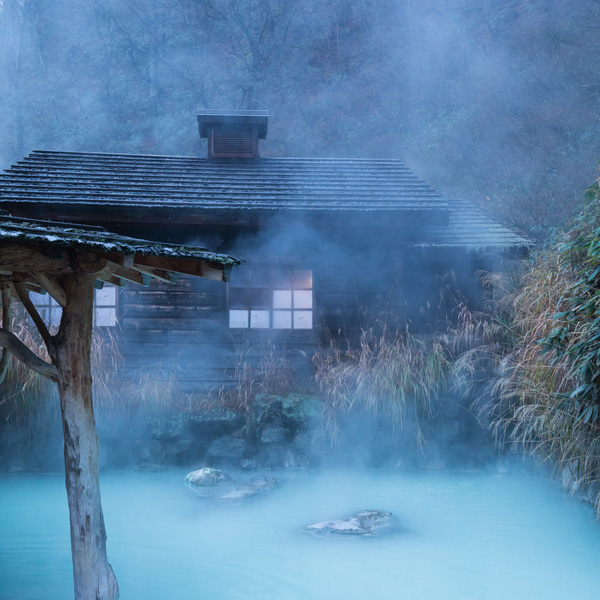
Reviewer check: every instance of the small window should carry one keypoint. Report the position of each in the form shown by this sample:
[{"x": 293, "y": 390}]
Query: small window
[
  {"x": 48, "y": 308},
  {"x": 271, "y": 299},
  {"x": 105, "y": 307}
]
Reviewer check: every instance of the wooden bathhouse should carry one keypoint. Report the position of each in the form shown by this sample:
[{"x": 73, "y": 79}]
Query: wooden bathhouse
[{"x": 325, "y": 242}]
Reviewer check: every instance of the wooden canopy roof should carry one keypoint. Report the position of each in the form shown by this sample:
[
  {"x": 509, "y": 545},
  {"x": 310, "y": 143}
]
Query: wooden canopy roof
[
  {"x": 36, "y": 253},
  {"x": 44, "y": 256}
]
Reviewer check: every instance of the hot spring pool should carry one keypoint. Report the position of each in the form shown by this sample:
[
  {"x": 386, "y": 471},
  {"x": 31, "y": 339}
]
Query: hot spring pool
[{"x": 477, "y": 536}]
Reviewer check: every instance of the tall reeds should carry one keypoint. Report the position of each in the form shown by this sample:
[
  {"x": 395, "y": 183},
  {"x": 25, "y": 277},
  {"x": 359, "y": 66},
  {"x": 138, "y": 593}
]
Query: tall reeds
[{"x": 392, "y": 376}]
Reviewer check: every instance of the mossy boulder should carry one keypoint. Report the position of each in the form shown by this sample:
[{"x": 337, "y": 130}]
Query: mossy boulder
[{"x": 292, "y": 411}]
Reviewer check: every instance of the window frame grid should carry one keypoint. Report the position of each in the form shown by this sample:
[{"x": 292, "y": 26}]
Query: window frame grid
[
  {"x": 49, "y": 308},
  {"x": 274, "y": 286}
]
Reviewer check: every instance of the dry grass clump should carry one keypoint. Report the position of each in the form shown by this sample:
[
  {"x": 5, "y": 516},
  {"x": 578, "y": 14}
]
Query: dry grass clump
[
  {"x": 405, "y": 381},
  {"x": 28, "y": 400},
  {"x": 26, "y": 396},
  {"x": 272, "y": 374},
  {"x": 392, "y": 376}
]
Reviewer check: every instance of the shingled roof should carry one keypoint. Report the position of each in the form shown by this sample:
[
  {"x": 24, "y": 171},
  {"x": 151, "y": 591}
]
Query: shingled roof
[
  {"x": 182, "y": 188},
  {"x": 471, "y": 228}
]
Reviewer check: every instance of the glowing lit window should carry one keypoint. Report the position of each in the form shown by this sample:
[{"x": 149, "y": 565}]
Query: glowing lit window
[
  {"x": 105, "y": 307},
  {"x": 278, "y": 299}
]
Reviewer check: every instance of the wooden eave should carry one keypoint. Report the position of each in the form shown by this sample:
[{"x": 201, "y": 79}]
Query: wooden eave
[{"x": 37, "y": 254}]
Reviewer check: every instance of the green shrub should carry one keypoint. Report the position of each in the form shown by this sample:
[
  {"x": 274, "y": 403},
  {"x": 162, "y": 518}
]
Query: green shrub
[{"x": 546, "y": 397}]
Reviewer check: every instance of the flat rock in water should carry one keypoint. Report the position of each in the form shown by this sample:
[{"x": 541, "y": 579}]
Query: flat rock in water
[
  {"x": 262, "y": 483},
  {"x": 207, "y": 477},
  {"x": 374, "y": 518},
  {"x": 350, "y": 526},
  {"x": 365, "y": 522}
]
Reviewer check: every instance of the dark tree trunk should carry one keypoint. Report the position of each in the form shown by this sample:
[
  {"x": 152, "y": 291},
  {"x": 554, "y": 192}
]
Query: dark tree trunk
[{"x": 94, "y": 577}]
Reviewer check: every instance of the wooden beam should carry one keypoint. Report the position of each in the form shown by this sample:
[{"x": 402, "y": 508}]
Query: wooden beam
[
  {"x": 112, "y": 279},
  {"x": 30, "y": 287},
  {"x": 27, "y": 280},
  {"x": 133, "y": 275},
  {"x": 16, "y": 347},
  {"x": 188, "y": 266},
  {"x": 113, "y": 270},
  {"x": 90, "y": 262},
  {"x": 17, "y": 257},
  {"x": 107, "y": 272},
  {"x": 123, "y": 260},
  {"x": 35, "y": 316},
  {"x": 53, "y": 287},
  {"x": 159, "y": 274}
]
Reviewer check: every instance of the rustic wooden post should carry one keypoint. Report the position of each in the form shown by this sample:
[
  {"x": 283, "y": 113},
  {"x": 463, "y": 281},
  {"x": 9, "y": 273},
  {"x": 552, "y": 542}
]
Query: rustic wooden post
[
  {"x": 6, "y": 326},
  {"x": 65, "y": 261},
  {"x": 94, "y": 577}
]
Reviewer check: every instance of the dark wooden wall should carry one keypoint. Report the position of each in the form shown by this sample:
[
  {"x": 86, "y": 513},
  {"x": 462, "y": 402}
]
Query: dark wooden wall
[
  {"x": 174, "y": 329},
  {"x": 182, "y": 330}
]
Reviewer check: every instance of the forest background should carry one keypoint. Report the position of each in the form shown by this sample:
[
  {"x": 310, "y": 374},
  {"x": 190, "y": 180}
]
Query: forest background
[{"x": 491, "y": 101}]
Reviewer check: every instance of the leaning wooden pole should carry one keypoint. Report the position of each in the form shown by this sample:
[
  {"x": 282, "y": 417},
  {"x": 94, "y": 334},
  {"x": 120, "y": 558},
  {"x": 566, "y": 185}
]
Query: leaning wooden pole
[{"x": 94, "y": 577}]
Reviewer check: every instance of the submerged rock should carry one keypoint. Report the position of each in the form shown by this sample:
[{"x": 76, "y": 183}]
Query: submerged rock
[
  {"x": 237, "y": 495},
  {"x": 253, "y": 487},
  {"x": 207, "y": 476},
  {"x": 262, "y": 483},
  {"x": 365, "y": 522},
  {"x": 374, "y": 518}
]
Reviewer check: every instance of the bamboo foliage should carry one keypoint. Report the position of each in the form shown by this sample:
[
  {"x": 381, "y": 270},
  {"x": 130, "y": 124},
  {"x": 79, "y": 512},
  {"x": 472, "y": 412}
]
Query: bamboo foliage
[{"x": 546, "y": 395}]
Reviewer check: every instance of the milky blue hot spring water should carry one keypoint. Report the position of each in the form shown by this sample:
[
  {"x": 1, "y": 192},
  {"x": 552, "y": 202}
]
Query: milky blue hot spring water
[{"x": 462, "y": 535}]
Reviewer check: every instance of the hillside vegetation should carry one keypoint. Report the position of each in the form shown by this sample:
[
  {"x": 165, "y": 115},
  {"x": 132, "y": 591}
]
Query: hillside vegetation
[{"x": 493, "y": 101}]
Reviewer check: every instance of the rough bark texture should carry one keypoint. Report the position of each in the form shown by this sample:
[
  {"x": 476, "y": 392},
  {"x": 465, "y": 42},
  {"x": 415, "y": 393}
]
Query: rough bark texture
[
  {"x": 94, "y": 577},
  {"x": 6, "y": 326}
]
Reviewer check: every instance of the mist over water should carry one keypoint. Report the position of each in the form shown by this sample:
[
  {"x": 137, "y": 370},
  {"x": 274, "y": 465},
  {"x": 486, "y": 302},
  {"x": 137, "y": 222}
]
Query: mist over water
[
  {"x": 492, "y": 102},
  {"x": 463, "y": 536}
]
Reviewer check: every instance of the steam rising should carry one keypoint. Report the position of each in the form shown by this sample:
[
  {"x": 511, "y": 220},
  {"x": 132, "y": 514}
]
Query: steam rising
[{"x": 492, "y": 102}]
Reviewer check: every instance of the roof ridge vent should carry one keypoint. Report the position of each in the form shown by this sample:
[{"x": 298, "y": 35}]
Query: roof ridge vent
[{"x": 233, "y": 133}]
